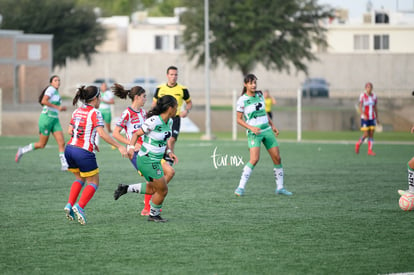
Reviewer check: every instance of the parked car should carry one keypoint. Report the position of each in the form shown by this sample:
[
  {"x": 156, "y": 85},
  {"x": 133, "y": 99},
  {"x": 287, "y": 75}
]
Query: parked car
[{"x": 315, "y": 87}]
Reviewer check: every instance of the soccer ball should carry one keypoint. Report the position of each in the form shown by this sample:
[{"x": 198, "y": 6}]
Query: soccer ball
[{"x": 406, "y": 202}]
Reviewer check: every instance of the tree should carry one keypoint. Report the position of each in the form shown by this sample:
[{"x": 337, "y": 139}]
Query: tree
[
  {"x": 275, "y": 33},
  {"x": 75, "y": 29}
]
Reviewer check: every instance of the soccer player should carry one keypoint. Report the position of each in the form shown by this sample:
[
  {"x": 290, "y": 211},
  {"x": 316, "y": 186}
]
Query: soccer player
[
  {"x": 269, "y": 101},
  {"x": 410, "y": 166},
  {"x": 251, "y": 115},
  {"x": 130, "y": 121},
  {"x": 85, "y": 124},
  {"x": 156, "y": 131},
  {"x": 182, "y": 95},
  {"x": 48, "y": 122},
  {"x": 369, "y": 118}
]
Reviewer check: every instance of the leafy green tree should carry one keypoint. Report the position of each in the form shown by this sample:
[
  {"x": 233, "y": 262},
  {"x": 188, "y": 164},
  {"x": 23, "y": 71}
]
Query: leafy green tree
[
  {"x": 275, "y": 33},
  {"x": 75, "y": 29}
]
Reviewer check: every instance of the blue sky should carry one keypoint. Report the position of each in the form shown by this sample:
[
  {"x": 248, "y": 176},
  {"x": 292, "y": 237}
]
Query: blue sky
[{"x": 357, "y": 7}]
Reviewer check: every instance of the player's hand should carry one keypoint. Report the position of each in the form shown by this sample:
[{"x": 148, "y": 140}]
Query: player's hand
[
  {"x": 412, "y": 130},
  {"x": 137, "y": 147},
  {"x": 173, "y": 157},
  {"x": 131, "y": 151},
  {"x": 96, "y": 148},
  {"x": 255, "y": 130},
  {"x": 123, "y": 151},
  {"x": 275, "y": 130},
  {"x": 62, "y": 108}
]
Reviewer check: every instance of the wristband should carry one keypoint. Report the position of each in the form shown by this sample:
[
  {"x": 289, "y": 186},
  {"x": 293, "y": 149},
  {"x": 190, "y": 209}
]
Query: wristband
[
  {"x": 168, "y": 151},
  {"x": 130, "y": 147},
  {"x": 188, "y": 110}
]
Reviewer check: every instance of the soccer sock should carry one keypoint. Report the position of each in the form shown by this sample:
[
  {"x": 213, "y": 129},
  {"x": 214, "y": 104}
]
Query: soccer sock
[
  {"x": 28, "y": 148},
  {"x": 361, "y": 140},
  {"x": 137, "y": 188},
  {"x": 87, "y": 194},
  {"x": 155, "y": 209},
  {"x": 410, "y": 179},
  {"x": 278, "y": 172},
  {"x": 74, "y": 191},
  {"x": 247, "y": 171},
  {"x": 147, "y": 200},
  {"x": 63, "y": 159},
  {"x": 370, "y": 144}
]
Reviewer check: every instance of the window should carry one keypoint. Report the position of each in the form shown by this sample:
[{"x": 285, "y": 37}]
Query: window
[
  {"x": 178, "y": 45},
  {"x": 361, "y": 42},
  {"x": 34, "y": 52},
  {"x": 381, "y": 42},
  {"x": 161, "y": 42}
]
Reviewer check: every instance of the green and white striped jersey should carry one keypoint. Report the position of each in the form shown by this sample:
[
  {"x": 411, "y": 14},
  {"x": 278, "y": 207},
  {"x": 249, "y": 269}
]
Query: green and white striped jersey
[
  {"x": 55, "y": 99},
  {"x": 157, "y": 132},
  {"x": 253, "y": 109}
]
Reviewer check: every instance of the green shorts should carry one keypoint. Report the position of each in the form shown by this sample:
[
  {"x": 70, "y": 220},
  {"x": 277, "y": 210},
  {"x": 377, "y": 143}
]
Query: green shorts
[
  {"x": 106, "y": 115},
  {"x": 150, "y": 169},
  {"x": 48, "y": 125},
  {"x": 267, "y": 137}
]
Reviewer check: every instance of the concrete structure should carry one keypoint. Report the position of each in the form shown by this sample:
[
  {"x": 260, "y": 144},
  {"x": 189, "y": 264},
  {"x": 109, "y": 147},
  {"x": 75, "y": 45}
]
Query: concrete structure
[{"x": 25, "y": 65}]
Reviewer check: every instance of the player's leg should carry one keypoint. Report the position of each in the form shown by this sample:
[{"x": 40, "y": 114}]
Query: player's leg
[
  {"x": 364, "y": 129},
  {"x": 248, "y": 168},
  {"x": 61, "y": 144},
  {"x": 410, "y": 168},
  {"x": 371, "y": 141},
  {"x": 161, "y": 191}
]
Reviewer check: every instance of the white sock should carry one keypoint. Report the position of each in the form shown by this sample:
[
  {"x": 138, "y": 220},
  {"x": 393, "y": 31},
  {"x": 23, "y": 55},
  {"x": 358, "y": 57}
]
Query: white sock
[
  {"x": 410, "y": 180},
  {"x": 63, "y": 161},
  {"x": 278, "y": 172},
  {"x": 27, "y": 148},
  {"x": 135, "y": 188},
  {"x": 247, "y": 171}
]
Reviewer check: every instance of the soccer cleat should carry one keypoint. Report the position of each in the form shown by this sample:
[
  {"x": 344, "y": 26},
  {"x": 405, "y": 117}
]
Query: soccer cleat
[
  {"x": 357, "y": 147},
  {"x": 283, "y": 191},
  {"x": 239, "y": 192},
  {"x": 121, "y": 190},
  {"x": 19, "y": 155},
  {"x": 371, "y": 153},
  {"x": 156, "y": 219},
  {"x": 145, "y": 212},
  {"x": 80, "y": 213},
  {"x": 70, "y": 215}
]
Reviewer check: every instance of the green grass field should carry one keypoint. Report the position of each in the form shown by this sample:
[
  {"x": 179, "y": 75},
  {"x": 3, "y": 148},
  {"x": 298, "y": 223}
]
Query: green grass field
[{"x": 342, "y": 219}]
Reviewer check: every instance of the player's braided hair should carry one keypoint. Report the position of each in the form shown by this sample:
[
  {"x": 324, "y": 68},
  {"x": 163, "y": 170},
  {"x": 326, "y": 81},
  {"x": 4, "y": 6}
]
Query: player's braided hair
[{"x": 163, "y": 103}]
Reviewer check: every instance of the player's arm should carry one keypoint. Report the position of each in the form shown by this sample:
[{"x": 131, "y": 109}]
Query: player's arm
[
  {"x": 45, "y": 101},
  {"x": 105, "y": 136},
  {"x": 376, "y": 113},
  {"x": 188, "y": 106},
  {"x": 155, "y": 98},
  {"x": 118, "y": 136},
  {"x": 243, "y": 123},
  {"x": 133, "y": 141},
  {"x": 274, "y": 129},
  {"x": 412, "y": 130}
]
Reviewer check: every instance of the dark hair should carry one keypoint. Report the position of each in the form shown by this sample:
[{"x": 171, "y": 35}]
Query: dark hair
[
  {"x": 163, "y": 103},
  {"x": 120, "y": 92},
  {"x": 44, "y": 90},
  {"x": 247, "y": 79},
  {"x": 171, "y": 68},
  {"x": 370, "y": 84},
  {"x": 86, "y": 94}
]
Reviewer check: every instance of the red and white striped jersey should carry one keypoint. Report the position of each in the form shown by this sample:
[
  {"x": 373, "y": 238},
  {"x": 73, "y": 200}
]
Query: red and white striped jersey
[
  {"x": 368, "y": 104},
  {"x": 84, "y": 121},
  {"x": 131, "y": 121}
]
